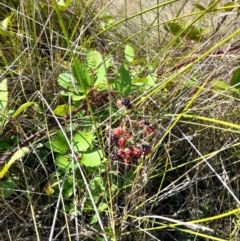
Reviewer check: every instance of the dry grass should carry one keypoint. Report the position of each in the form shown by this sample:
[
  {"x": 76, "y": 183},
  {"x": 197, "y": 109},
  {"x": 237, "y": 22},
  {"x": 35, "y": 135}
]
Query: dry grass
[{"x": 187, "y": 189}]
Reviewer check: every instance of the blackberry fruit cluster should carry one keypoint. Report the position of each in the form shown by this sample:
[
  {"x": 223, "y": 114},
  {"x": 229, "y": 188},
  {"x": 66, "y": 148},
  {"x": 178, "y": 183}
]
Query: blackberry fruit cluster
[
  {"x": 129, "y": 144},
  {"x": 127, "y": 155},
  {"x": 126, "y": 150}
]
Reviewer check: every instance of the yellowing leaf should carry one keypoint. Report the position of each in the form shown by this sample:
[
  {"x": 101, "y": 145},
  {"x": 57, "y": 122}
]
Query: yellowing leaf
[
  {"x": 17, "y": 155},
  {"x": 22, "y": 108},
  {"x": 219, "y": 86},
  {"x": 48, "y": 190},
  {"x": 62, "y": 110}
]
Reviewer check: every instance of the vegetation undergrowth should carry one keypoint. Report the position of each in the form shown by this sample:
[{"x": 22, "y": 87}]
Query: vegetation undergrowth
[{"x": 119, "y": 122}]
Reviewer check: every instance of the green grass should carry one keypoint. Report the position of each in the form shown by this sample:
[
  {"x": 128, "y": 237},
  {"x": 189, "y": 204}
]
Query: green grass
[{"x": 64, "y": 75}]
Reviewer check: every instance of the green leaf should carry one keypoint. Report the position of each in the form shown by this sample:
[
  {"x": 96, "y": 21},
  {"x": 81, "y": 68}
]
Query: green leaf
[
  {"x": 94, "y": 59},
  {"x": 7, "y": 188},
  {"x": 4, "y": 27},
  {"x": 191, "y": 82},
  {"x": 68, "y": 187},
  {"x": 139, "y": 61},
  {"x": 3, "y": 98},
  {"x": 22, "y": 108},
  {"x": 107, "y": 18},
  {"x": 199, "y": 6},
  {"x": 82, "y": 141},
  {"x": 92, "y": 158},
  {"x": 213, "y": 4},
  {"x": 101, "y": 73},
  {"x": 62, "y": 110},
  {"x": 64, "y": 162},
  {"x": 73, "y": 96},
  {"x": 174, "y": 28},
  {"x": 102, "y": 207},
  {"x": 141, "y": 81},
  {"x": 235, "y": 80},
  {"x": 58, "y": 143},
  {"x": 152, "y": 78},
  {"x": 219, "y": 86},
  {"x": 68, "y": 192},
  {"x": 5, "y": 143},
  {"x": 195, "y": 33},
  {"x": 124, "y": 86},
  {"x": 229, "y": 5},
  {"x": 81, "y": 74},
  {"x": 118, "y": 86},
  {"x": 67, "y": 81},
  {"x": 129, "y": 53},
  {"x": 97, "y": 184}
]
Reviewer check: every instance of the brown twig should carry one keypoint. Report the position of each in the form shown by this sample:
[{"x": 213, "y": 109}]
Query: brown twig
[
  {"x": 220, "y": 24},
  {"x": 192, "y": 59}
]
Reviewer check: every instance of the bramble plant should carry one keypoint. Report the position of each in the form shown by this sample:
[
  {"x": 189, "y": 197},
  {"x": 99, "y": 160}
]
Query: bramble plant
[{"x": 83, "y": 142}]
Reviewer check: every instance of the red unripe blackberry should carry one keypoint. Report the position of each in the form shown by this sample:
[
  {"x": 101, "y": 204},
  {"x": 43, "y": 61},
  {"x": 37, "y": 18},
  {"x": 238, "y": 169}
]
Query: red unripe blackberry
[
  {"x": 128, "y": 151},
  {"x": 121, "y": 153},
  {"x": 127, "y": 161},
  {"x": 127, "y": 135},
  {"x": 148, "y": 130},
  {"x": 144, "y": 131},
  {"x": 146, "y": 149},
  {"x": 128, "y": 157},
  {"x": 137, "y": 152},
  {"x": 121, "y": 142},
  {"x": 118, "y": 131}
]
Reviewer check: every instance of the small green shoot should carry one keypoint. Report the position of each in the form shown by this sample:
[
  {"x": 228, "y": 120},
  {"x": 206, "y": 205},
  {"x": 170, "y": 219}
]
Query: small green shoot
[
  {"x": 4, "y": 27},
  {"x": 81, "y": 74},
  {"x": 129, "y": 53},
  {"x": 3, "y": 103},
  {"x": 63, "y": 5},
  {"x": 235, "y": 80}
]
